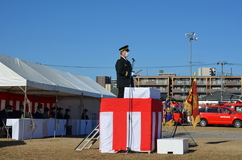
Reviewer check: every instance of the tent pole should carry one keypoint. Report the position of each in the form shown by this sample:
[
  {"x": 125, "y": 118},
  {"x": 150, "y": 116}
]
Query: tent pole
[
  {"x": 25, "y": 97},
  {"x": 32, "y": 124},
  {"x": 79, "y": 121},
  {"x": 56, "y": 105},
  {"x": 82, "y": 110}
]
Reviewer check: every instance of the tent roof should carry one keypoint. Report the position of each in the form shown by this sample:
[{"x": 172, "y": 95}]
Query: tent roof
[{"x": 17, "y": 75}]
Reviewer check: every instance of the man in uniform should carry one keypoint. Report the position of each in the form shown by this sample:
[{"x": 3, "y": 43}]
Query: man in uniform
[
  {"x": 4, "y": 115},
  {"x": 123, "y": 71},
  {"x": 38, "y": 114}
]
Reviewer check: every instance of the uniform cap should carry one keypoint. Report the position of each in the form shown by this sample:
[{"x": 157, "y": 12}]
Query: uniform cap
[
  {"x": 124, "y": 48},
  {"x": 40, "y": 106},
  {"x": 58, "y": 109},
  {"x": 67, "y": 110}
]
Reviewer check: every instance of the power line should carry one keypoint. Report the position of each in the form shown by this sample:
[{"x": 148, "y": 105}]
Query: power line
[
  {"x": 74, "y": 66},
  {"x": 178, "y": 66}
]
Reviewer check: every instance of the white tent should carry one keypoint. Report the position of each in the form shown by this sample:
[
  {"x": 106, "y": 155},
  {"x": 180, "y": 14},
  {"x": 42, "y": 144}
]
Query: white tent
[
  {"x": 19, "y": 76},
  {"x": 40, "y": 79}
]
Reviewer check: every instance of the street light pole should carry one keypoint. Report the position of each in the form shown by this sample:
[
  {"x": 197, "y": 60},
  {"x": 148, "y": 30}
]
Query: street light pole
[
  {"x": 222, "y": 73},
  {"x": 191, "y": 37}
]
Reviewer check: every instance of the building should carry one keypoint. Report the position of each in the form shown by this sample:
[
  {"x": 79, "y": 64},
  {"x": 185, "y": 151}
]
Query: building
[
  {"x": 178, "y": 86},
  {"x": 207, "y": 71},
  {"x": 114, "y": 83},
  {"x": 104, "y": 81}
]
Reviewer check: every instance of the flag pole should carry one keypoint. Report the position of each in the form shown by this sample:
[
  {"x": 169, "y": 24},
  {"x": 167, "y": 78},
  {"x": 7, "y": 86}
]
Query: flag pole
[{"x": 191, "y": 104}]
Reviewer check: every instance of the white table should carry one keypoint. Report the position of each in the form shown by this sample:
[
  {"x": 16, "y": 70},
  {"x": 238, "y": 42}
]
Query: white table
[
  {"x": 23, "y": 128},
  {"x": 80, "y": 127},
  {"x": 53, "y": 127}
]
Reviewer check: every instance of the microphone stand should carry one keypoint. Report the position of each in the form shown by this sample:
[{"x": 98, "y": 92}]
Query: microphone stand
[
  {"x": 129, "y": 109},
  {"x": 130, "y": 78}
]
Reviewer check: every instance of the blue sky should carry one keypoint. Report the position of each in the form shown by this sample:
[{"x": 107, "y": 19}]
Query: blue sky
[{"x": 85, "y": 35}]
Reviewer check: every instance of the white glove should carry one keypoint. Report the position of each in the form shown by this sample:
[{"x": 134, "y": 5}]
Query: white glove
[{"x": 133, "y": 74}]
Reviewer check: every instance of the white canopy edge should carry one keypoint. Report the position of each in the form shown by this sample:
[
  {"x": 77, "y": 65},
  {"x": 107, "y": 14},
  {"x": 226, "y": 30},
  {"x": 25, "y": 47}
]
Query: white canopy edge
[{"x": 36, "y": 77}]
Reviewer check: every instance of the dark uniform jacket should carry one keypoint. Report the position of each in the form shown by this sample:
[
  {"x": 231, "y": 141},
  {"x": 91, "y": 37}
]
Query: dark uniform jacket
[
  {"x": 3, "y": 116},
  {"x": 38, "y": 115},
  {"x": 123, "y": 70}
]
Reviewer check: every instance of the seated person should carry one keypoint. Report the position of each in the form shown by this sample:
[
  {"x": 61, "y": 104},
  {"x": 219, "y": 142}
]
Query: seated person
[
  {"x": 67, "y": 114},
  {"x": 18, "y": 113},
  {"x": 4, "y": 114},
  {"x": 46, "y": 113},
  {"x": 38, "y": 114},
  {"x": 53, "y": 113},
  {"x": 84, "y": 114},
  {"x": 59, "y": 113}
]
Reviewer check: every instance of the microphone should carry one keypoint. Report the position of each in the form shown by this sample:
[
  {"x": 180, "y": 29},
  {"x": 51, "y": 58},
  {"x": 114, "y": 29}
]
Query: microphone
[{"x": 133, "y": 59}]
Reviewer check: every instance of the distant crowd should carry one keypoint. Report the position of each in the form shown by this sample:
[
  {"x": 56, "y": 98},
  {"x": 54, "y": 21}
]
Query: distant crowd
[
  {"x": 8, "y": 112},
  {"x": 56, "y": 113}
]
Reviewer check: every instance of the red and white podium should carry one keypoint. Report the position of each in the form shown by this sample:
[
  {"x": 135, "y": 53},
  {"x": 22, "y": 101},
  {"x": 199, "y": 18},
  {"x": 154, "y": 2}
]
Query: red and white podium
[{"x": 134, "y": 123}]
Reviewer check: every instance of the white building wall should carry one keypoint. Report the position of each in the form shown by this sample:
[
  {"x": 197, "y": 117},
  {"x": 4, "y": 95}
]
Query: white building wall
[{"x": 206, "y": 71}]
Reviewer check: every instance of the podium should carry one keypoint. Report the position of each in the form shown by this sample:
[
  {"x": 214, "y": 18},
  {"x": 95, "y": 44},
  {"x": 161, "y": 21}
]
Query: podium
[
  {"x": 132, "y": 124},
  {"x": 141, "y": 92}
]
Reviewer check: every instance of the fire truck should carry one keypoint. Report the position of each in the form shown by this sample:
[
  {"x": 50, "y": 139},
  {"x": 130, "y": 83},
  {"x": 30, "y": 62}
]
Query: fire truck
[
  {"x": 220, "y": 115},
  {"x": 234, "y": 106}
]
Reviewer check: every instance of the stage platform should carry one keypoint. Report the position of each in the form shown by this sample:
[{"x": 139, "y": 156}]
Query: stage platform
[{"x": 133, "y": 124}]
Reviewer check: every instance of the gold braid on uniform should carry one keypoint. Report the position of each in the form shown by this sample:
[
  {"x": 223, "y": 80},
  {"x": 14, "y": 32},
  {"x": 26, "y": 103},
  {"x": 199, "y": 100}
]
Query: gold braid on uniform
[{"x": 126, "y": 74}]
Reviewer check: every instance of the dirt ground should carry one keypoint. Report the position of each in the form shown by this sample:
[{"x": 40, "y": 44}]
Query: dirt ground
[{"x": 213, "y": 142}]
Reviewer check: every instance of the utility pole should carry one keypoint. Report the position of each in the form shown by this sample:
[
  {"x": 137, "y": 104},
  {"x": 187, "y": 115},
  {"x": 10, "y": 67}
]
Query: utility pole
[{"x": 222, "y": 74}]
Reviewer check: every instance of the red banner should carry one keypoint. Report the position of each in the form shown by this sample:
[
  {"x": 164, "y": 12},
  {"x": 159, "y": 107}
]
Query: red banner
[{"x": 191, "y": 104}]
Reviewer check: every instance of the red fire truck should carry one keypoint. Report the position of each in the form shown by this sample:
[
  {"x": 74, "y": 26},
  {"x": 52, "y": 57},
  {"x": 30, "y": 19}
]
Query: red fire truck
[
  {"x": 218, "y": 114},
  {"x": 234, "y": 106}
]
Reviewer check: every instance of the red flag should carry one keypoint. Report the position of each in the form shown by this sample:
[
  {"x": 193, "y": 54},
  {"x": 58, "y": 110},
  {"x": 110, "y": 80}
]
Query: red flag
[{"x": 191, "y": 104}]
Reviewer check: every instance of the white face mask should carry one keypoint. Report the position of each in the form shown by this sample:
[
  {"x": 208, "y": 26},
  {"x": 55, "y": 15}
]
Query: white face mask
[{"x": 127, "y": 54}]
